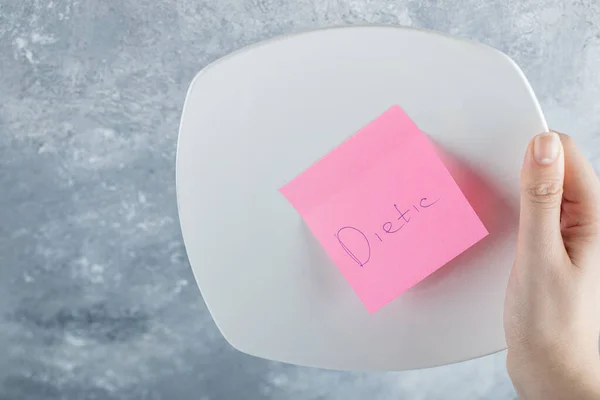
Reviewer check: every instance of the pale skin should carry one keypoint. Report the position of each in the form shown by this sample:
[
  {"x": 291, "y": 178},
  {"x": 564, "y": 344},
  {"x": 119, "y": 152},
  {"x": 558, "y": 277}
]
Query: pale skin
[{"x": 552, "y": 308}]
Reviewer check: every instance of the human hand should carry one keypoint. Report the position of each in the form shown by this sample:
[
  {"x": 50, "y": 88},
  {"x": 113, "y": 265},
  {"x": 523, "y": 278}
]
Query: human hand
[{"x": 552, "y": 307}]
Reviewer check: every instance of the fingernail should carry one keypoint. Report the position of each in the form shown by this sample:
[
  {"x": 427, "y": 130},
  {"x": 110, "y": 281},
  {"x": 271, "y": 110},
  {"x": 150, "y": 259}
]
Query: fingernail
[{"x": 546, "y": 147}]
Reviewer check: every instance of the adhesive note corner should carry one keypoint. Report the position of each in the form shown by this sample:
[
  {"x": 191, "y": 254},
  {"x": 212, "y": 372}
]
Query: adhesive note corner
[{"x": 385, "y": 208}]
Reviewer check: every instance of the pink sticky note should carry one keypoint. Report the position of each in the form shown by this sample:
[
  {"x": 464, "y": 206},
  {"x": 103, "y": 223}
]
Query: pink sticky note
[{"x": 385, "y": 208}]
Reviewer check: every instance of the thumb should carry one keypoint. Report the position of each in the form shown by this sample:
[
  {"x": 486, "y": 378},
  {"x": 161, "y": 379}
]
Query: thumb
[{"x": 542, "y": 179}]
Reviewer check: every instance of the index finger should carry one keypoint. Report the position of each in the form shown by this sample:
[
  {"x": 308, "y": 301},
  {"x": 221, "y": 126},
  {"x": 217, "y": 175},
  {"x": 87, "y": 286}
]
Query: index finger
[{"x": 581, "y": 182}]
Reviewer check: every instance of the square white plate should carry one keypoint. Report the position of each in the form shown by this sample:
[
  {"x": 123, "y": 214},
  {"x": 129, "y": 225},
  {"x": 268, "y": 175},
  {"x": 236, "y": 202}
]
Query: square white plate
[{"x": 254, "y": 119}]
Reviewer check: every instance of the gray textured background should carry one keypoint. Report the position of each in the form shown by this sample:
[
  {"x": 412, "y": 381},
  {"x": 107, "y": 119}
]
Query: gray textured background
[{"x": 97, "y": 300}]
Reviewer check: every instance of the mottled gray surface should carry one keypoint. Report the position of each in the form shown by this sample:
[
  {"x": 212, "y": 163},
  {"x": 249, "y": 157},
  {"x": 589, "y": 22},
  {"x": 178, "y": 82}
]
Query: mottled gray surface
[{"x": 97, "y": 300}]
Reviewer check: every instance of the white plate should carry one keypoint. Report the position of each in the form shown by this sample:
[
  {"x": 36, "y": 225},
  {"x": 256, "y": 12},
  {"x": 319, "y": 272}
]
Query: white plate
[{"x": 256, "y": 118}]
